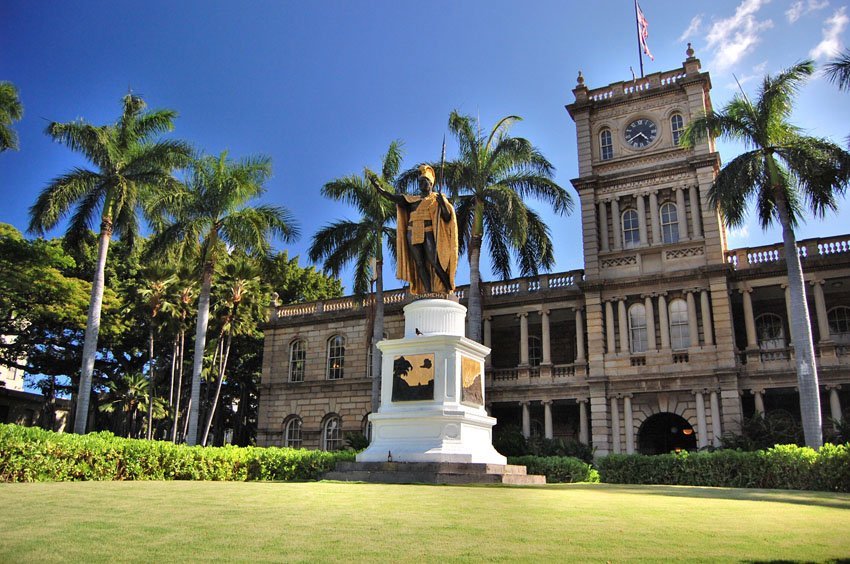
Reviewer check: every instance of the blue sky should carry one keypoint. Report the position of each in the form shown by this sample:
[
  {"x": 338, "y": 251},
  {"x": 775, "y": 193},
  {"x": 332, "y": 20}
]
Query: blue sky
[{"x": 323, "y": 87}]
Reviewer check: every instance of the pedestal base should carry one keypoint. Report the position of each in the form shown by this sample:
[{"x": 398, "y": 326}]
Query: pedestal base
[{"x": 432, "y": 473}]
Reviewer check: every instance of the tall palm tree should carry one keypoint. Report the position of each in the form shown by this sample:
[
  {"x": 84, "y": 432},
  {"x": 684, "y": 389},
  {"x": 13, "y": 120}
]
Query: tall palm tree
[
  {"x": 206, "y": 217},
  {"x": 784, "y": 171},
  {"x": 838, "y": 70},
  {"x": 362, "y": 242},
  {"x": 128, "y": 167},
  {"x": 10, "y": 110},
  {"x": 156, "y": 280},
  {"x": 178, "y": 306},
  {"x": 488, "y": 184}
]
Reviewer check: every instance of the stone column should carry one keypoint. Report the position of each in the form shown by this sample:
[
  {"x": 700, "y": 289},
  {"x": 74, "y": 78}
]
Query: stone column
[
  {"x": 615, "y": 223},
  {"x": 834, "y": 403},
  {"x": 758, "y": 396},
  {"x": 693, "y": 329},
  {"x": 696, "y": 215},
  {"x": 653, "y": 217},
  {"x": 650, "y": 323},
  {"x": 788, "y": 312},
  {"x": 702, "y": 431},
  {"x": 545, "y": 340},
  {"x": 547, "y": 419},
  {"x": 716, "y": 429},
  {"x": 641, "y": 211},
  {"x": 488, "y": 339},
  {"x": 579, "y": 335},
  {"x": 582, "y": 422},
  {"x": 682, "y": 215},
  {"x": 749, "y": 320},
  {"x": 630, "y": 424},
  {"x": 820, "y": 309},
  {"x": 609, "y": 327},
  {"x": 624, "y": 326},
  {"x": 523, "y": 338},
  {"x": 663, "y": 322},
  {"x": 707, "y": 328},
  {"x": 603, "y": 226},
  {"x": 526, "y": 420},
  {"x": 615, "y": 425}
]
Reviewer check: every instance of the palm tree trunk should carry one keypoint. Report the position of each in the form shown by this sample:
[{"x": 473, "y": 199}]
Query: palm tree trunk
[
  {"x": 200, "y": 345},
  {"x": 173, "y": 371},
  {"x": 377, "y": 332},
  {"x": 801, "y": 332},
  {"x": 92, "y": 327},
  {"x": 473, "y": 330},
  {"x": 151, "y": 385},
  {"x": 179, "y": 387},
  {"x": 222, "y": 367}
]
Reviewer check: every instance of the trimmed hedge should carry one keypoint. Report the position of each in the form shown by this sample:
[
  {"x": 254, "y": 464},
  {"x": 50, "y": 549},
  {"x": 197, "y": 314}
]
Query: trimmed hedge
[
  {"x": 557, "y": 469},
  {"x": 780, "y": 467},
  {"x": 30, "y": 454}
]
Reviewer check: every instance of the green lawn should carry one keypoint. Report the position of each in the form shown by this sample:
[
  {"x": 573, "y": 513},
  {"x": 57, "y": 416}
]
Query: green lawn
[{"x": 178, "y": 521}]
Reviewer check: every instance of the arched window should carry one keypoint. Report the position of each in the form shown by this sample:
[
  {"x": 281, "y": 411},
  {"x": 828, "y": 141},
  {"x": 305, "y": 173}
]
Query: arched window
[
  {"x": 297, "y": 360},
  {"x": 292, "y": 432},
  {"x": 336, "y": 357},
  {"x": 669, "y": 223},
  {"x": 366, "y": 427},
  {"x": 680, "y": 336},
  {"x": 332, "y": 433},
  {"x": 839, "y": 323},
  {"x": 637, "y": 328},
  {"x": 770, "y": 331},
  {"x": 606, "y": 146},
  {"x": 677, "y": 125},
  {"x": 535, "y": 351},
  {"x": 631, "y": 229}
]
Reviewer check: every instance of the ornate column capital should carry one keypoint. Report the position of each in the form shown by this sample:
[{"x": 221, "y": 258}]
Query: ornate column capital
[{"x": 522, "y": 314}]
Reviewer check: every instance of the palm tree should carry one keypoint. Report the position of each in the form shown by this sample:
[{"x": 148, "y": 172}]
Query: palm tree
[
  {"x": 208, "y": 215},
  {"x": 178, "y": 307},
  {"x": 488, "y": 183},
  {"x": 362, "y": 242},
  {"x": 128, "y": 167},
  {"x": 155, "y": 282},
  {"x": 838, "y": 70},
  {"x": 127, "y": 395},
  {"x": 783, "y": 170},
  {"x": 10, "y": 110}
]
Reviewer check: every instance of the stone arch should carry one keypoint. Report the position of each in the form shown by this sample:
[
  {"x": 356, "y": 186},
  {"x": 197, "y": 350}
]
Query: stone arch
[{"x": 664, "y": 432}]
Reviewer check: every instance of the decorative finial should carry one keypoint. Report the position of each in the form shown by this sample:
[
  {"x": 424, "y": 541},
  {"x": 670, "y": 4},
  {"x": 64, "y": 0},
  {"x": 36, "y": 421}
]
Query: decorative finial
[
  {"x": 580, "y": 80},
  {"x": 690, "y": 51}
]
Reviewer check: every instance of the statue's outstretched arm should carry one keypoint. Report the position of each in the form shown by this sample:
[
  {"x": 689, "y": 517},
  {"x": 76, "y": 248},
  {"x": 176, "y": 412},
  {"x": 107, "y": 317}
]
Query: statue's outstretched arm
[{"x": 376, "y": 183}]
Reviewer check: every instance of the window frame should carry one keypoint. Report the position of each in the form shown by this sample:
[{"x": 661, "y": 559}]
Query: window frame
[
  {"x": 680, "y": 331},
  {"x": 335, "y": 440},
  {"x": 288, "y": 428},
  {"x": 297, "y": 366},
  {"x": 833, "y": 323},
  {"x": 335, "y": 343},
  {"x": 777, "y": 342},
  {"x": 606, "y": 144},
  {"x": 670, "y": 225},
  {"x": 634, "y": 232},
  {"x": 638, "y": 334},
  {"x": 675, "y": 129},
  {"x": 535, "y": 359}
]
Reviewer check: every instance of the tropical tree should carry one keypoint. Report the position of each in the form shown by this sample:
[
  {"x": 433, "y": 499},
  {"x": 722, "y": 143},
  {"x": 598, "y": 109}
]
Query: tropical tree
[
  {"x": 362, "y": 242},
  {"x": 10, "y": 110},
  {"x": 785, "y": 172},
  {"x": 838, "y": 70},
  {"x": 207, "y": 216},
  {"x": 488, "y": 184},
  {"x": 178, "y": 307},
  {"x": 128, "y": 167}
]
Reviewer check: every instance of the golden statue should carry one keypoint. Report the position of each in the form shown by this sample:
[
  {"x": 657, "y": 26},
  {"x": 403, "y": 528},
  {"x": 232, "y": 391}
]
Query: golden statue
[{"x": 426, "y": 243}]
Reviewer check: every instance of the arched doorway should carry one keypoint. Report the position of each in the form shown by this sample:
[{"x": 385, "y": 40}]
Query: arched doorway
[{"x": 665, "y": 432}]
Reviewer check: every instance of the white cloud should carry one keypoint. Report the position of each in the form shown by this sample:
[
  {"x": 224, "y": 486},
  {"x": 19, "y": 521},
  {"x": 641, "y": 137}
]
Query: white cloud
[
  {"x": 693, "y": 28},
  {"x": 734, "y": 37},
  {"x": 799, "y": 9},
  {"x": 739, "y": 236},
  {"x": 830, "y": 44}
]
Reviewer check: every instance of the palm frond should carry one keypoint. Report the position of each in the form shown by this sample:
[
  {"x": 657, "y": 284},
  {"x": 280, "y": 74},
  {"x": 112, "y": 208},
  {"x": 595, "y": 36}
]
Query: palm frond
[
  {"x": 55, "y": 201},
  {"x": 738, "y": 180},
  {"x": 838, "y": 70}
]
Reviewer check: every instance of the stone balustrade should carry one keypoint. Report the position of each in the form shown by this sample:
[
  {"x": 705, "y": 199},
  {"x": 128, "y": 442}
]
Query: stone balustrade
[
  {"x": 771, "y": 255},
  {"x": 625, "y": 88}
]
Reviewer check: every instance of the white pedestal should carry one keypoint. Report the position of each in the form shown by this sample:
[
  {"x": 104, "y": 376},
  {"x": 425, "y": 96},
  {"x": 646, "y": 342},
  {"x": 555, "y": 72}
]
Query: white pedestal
[{"x": 440, "y": 422}]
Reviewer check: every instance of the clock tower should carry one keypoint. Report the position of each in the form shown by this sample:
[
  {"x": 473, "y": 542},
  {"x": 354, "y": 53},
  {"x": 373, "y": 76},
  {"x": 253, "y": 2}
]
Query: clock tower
[{"x": 656, "y": 292}]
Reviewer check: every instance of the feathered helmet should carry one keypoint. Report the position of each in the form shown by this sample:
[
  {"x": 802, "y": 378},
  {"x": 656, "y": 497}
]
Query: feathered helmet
[{"x": 427, "y": 172}]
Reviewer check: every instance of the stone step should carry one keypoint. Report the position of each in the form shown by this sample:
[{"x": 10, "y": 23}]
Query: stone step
[{"x": 432, "y": 473}]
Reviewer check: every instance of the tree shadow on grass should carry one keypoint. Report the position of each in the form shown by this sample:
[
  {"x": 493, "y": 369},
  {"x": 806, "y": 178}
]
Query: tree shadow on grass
[{"x": 797, "y": 497}]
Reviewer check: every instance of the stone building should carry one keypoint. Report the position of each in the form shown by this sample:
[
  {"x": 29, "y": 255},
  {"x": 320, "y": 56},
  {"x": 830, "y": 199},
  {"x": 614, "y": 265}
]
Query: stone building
[{"x": 665, "y": 340}]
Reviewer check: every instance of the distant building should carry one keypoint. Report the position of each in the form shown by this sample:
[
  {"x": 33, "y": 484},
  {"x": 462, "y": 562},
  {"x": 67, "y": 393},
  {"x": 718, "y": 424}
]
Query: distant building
[{"x": 665, "y": 340}]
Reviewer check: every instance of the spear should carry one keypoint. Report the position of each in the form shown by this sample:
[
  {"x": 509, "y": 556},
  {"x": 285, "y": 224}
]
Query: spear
[{"x": 442, "y": 165}]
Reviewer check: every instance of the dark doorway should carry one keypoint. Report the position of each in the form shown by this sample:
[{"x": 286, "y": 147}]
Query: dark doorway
[{"x": 666, "y": 432}]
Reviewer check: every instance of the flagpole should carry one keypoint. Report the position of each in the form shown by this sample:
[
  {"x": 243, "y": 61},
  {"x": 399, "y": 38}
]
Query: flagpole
[{"x": 637, "y": 29}]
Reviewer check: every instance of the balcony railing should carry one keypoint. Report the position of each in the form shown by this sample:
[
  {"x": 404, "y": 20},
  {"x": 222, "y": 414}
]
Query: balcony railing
[
  {"x": 650, "y": 82},
  {"x": 754, "y": 257},
  {"x": 515, "y": 287}
]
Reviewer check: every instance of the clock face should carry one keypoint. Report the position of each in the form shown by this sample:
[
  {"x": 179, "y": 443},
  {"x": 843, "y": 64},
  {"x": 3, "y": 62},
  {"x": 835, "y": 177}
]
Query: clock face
[{"x": 641, "y": 133}]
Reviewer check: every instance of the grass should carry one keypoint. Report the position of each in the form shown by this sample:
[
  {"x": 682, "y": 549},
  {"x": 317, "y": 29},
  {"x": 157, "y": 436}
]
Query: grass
[{"x": 235, "y": 521}]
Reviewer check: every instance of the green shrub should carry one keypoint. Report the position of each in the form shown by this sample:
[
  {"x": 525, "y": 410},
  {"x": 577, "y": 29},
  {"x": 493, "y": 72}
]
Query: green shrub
[
  {"x": 557, "y": 469},
  {"x": 509, "y": 441},
  {"x": 780, "y": 467},
  {"x": 30, "y": 454}
]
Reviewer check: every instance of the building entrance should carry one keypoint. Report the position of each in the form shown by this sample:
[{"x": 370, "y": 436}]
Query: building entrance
[{"x": 666, "y": 432}]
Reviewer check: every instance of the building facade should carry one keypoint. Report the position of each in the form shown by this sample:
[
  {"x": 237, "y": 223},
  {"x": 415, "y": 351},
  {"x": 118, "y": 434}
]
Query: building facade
[{"x": 665, "y": 340}]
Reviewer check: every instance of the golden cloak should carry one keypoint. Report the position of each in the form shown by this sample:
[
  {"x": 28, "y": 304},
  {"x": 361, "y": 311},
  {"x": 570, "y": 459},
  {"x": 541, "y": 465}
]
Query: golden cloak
[{"x": 445, "y": 235}]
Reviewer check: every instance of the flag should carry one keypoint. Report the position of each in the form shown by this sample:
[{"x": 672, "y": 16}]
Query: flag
[{"x": 643, "y": 32}]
